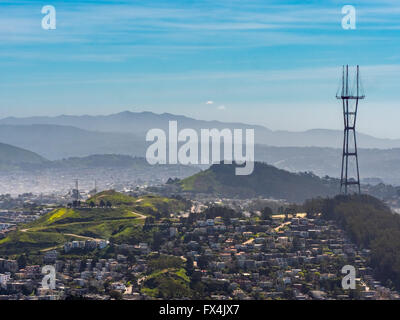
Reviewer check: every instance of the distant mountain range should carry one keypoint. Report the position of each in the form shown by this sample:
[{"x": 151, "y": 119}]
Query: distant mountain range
[
  {"x": 376, "y": 165},
  {"x": 138, "y": 123},
  {"x": 20, "y": 159},
  {"x": 220, "y": 180},
  {"x": 14, "y": 158},
  {"x": 319, "y": 151},
  {"x": 58, "y": 142}
]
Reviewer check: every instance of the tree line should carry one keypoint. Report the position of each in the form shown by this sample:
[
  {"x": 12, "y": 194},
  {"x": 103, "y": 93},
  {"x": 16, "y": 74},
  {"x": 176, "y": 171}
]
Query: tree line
[{"x": 371, "y": 225}]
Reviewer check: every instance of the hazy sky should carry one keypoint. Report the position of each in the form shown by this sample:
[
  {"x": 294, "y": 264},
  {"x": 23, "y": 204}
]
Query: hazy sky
[{"x": 275, "y": 63}]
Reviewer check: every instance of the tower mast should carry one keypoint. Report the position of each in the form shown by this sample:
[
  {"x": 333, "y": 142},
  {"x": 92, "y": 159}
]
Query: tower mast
[{"x": 350, "y": 108}]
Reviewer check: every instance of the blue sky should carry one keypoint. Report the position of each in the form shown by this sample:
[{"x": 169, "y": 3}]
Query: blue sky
[{"x": 275, "y": 63}]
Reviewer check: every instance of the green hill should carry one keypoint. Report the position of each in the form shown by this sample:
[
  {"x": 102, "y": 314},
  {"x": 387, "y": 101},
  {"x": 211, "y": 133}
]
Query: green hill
[
  {"x": 116, "y": 198},
  {"x": 123, "y": 222},
  {"x": 16, "y": 158},
  {"x": 148, "y": 204},
  {"x": 63, "y": 224},
  {"x": 265, "y": 181},
  {"x": 166, "y": 278}
]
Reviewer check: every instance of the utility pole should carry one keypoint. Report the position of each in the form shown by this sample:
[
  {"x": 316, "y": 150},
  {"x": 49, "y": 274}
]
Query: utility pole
[{"x": 76, "y": 190}]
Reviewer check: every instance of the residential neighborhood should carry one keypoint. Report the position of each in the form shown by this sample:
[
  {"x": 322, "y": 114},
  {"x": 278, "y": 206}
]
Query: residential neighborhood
[{"x": 283, "y": 256}]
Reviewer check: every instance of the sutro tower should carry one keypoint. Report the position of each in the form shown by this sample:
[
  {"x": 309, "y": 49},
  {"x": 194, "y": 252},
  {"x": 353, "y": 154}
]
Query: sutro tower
[{"x": 350, "y": 95}]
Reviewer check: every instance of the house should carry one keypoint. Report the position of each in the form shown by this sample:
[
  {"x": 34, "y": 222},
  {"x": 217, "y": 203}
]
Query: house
[
  {"x": 8, "y": 265},
  {"x": 50, "y": 257},
  {"x": 173, "y": 232},
  {"x": 4, "y": 278},
  {"x": 318, "y": 294},
  {"x": 118, "y": 286}
]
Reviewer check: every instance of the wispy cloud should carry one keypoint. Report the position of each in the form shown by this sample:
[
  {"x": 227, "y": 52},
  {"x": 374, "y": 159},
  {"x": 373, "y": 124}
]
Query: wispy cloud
[
  {"x": 180, "y": 53},
  {"x": 123, "y": 22}
]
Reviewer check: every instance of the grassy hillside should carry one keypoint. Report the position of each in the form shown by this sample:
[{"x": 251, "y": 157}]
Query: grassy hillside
[
  {"x": 116, "y": 198},
  {"x": 155, "y": 204},
  {"x": 148, "y": 204},
  {"x": 121, "y": 223},
  {"x": 16, "y": 158},
  {"x": 61, "y": 225},
  {"x": 167, "y": 278},
  {"x": 28, "y": 242},
  {"x": 64, "y": 216},
  {"x": 265, "y": 181}
]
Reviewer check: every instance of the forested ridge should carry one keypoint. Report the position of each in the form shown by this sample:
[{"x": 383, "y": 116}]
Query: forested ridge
[{"x": 371, "y": 225}]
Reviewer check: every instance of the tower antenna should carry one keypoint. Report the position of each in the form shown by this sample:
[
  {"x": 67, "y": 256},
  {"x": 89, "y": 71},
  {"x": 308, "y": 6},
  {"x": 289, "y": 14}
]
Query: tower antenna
[
  {"x": 77, "y": 190},
  {"x": 350, "y": 109}
]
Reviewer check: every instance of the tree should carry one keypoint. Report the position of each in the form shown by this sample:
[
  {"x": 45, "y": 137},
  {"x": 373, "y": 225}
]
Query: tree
[
  {"x": 109, "y": 204},
  {"x": 21, "y": 261},
  {"x": 226, "y": 220},
  {"x": 202, "y": 262},
  {"x": 158, "y": 240},
  {"x": 114, "y": 294},
  {"x": 91, "y": 204},
  {"x": 148, "y": 223},
  {"x": 266, "y": 213},
  {"x": 189, "y": 266},
  {"x": 102, "y": 204},
  {"x": 288, "y": 293}
]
